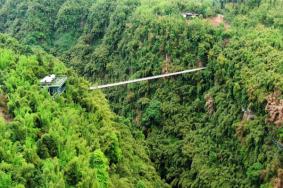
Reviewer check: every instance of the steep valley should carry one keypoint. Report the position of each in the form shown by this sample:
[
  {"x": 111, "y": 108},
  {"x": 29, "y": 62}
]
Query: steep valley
[{"x": 220, "y": 127}]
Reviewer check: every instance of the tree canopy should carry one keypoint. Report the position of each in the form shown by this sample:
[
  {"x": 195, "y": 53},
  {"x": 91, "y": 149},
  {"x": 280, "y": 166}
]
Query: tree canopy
[{"x": 221, "y": 127}]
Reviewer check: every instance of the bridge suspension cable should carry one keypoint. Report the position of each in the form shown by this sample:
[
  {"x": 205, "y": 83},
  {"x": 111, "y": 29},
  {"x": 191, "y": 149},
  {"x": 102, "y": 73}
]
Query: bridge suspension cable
[{"x": 146, "y": 78}]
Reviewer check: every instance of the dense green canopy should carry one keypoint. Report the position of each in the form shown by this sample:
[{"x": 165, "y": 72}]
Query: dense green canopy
[
  {"x": 68, "y": 140},
  {"x": 221, "y": 127}
]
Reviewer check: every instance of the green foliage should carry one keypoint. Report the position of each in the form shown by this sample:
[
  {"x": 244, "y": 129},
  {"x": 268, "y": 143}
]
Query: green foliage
[
  {"x": 152, "y": 114},
  {"x": 254, "y": 171},
  {"x": 195, "y": 131},
  {"x": 73, "y": 172},
  {"x": 100, "y": 162},
  {"x": 5, "y": 180},
  {"x": 47, "y": 147},
  {"x": 65, "y": 140}
]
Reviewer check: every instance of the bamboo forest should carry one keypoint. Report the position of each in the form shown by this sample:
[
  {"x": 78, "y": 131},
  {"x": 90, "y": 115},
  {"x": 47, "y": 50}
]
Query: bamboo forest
[{"x": 141, "y": 93}]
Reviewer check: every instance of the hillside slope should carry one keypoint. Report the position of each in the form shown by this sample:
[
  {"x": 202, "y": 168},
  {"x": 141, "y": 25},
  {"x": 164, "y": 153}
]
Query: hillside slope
[
  {"x": 221, "y": 127},
  {"x": 73, "y": 140}
]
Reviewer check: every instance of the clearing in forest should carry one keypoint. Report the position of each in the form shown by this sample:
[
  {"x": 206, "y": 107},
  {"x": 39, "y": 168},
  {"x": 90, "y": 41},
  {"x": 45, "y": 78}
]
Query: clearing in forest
[{"x": 218, "y": 20}]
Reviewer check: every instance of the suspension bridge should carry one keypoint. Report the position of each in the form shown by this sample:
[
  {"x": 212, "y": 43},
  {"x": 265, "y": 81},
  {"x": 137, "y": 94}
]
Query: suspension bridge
[{"x": 146, "y": 78}]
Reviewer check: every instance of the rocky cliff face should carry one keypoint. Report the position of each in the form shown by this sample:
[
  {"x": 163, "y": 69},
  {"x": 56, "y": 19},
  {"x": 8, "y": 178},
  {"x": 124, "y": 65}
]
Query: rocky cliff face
[{"x": 274, "y": 107}]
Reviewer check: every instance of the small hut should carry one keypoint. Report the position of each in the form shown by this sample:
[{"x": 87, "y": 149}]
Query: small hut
[
  {"x": 189, "y": 15},
  {"x": 54, "y": 84}
]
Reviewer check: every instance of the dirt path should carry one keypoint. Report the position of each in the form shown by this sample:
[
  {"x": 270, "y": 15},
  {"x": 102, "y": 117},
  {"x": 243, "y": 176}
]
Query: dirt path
[{"x": 218, "y": 20}]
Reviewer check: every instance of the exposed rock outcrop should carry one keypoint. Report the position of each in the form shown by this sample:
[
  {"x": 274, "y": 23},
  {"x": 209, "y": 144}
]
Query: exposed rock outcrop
[
  {"x": 4, "y": 109},
  {"x": 209, "y": 104},
  {"x": 274, "y": 107},
  {"x": 248, "y": 115},
  {"x": 278, "y": 183}
]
